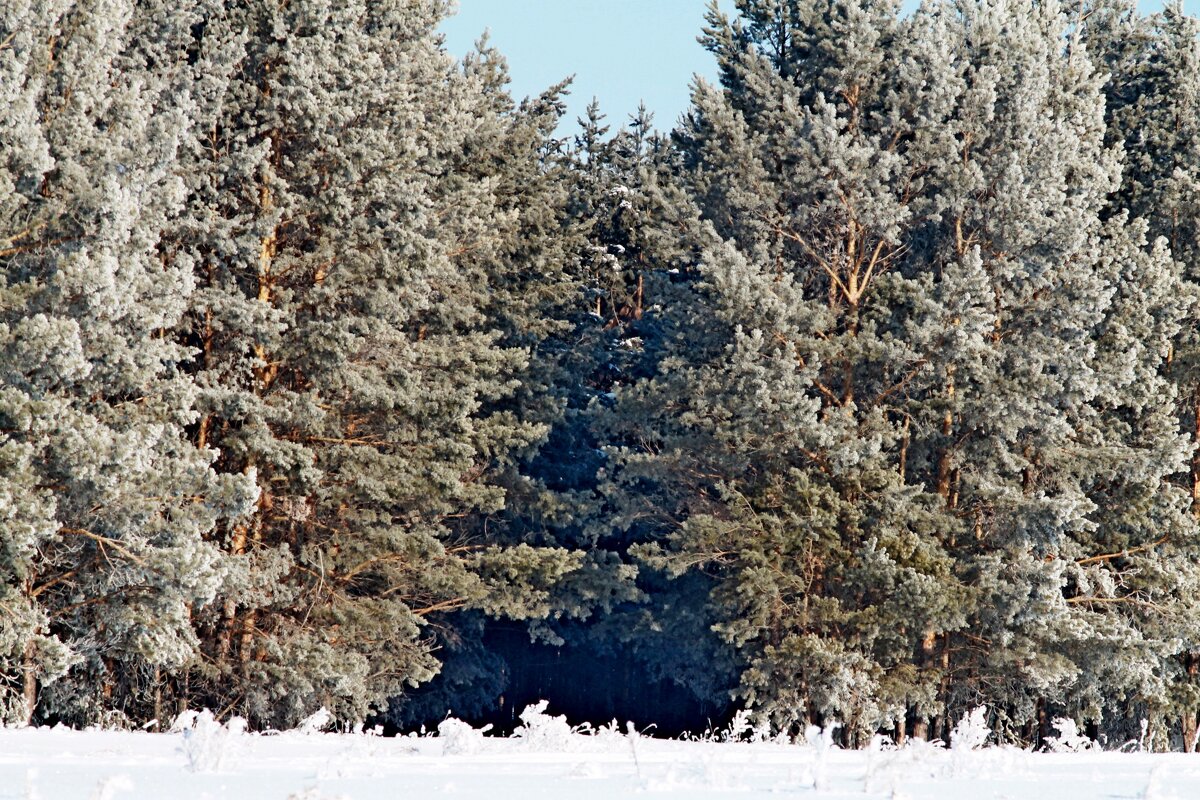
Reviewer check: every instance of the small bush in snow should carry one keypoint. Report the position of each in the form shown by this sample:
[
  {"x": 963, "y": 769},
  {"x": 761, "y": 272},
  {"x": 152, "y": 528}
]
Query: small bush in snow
[
  {"x": 1069, "y": 739},
  {"x": 460, "y": 739},
  {"x": 316, "y": 722},
  {"x": 971, "y": 732},
  {"x": 207, "y": 744},
  {"x": 542, "y": 732},
  {"x": 743, "y": 729}
]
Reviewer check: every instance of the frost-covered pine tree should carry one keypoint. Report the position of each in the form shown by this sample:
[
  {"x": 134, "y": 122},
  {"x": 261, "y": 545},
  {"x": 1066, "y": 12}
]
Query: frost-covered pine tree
[
  {"x": 1153, "y": 100},
  {"x": 1014, "y": 360},
  {"x": 912, "y": 402},
  {"x": 351, "y": 238},
  {"x": 533, "y": 260},
  {"x": 105, "y": 504},
  {"x": 767, "y": 468}
]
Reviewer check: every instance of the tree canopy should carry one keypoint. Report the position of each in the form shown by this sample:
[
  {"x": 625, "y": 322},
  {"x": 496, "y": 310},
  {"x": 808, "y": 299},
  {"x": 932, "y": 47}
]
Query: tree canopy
[{"x": 331, "y": 376}]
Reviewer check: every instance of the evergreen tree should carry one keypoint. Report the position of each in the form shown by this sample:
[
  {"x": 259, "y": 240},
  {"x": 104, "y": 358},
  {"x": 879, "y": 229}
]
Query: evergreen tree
[
  {"x": 530, "y": 255},
  {"x": 1153, "y": 95},
  {"x": 889, "y": 427},
  {"x": 628, "y": 193},
  {"x": 767, "y": 468},
  {"x": 348, "y": 226},
  {"x": 592, "y": 318},
  {"x": 105, "y": 502},
  {"x": 625, "y": 194},
  {"x": 871, "y": 395}
]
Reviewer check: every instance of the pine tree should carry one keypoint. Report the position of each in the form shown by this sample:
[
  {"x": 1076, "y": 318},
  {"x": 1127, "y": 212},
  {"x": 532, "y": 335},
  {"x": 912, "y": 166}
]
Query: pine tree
[
  {"x": 767, "y": 466},
  {"x": 592, "y": 316},
  {"x": 624, "y": 194},
  {"x": 628, "y": 193},
  {"x": 890, "y": 432},
  {"x": 348, "y": 226},
  {"x": 1153, "y": 94},
  {"x": 105, "y": 502}
]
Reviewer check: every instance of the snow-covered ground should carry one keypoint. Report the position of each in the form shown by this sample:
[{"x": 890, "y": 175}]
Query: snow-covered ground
[{"x": 548, "y": 761}]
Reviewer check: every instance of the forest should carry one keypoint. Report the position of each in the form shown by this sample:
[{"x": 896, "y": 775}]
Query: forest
[{"x": 332, "y": 375}]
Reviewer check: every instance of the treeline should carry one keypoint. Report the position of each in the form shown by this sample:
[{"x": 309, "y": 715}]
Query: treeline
[{"x": 870, "y": 393}]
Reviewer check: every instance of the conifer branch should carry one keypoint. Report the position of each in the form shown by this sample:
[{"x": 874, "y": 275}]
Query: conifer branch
[
  {"x": 870, "y": 271},
  {"x": 359, "y": 442},
  {"x": 366, "y": 564},
  {"x": 914, "y": 372},
  {"x": 106, "y": 541},
  {"x": 66, "y": 576},
  {"x": 1134, "y": 601},
  {"x": 828, "y": 393},
  {"x": 1121, "y": 554},
  {"x": 445, "y": 605},
  {"x": 814, "y": 255},
  {"x": 27, "y": 232},
  {"x": 32, "y": 246},
  {"x": 91, "y": 601}
]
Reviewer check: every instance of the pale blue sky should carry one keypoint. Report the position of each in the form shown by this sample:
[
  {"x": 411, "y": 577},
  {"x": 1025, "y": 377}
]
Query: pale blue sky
[{"x": 620, "y": 51}]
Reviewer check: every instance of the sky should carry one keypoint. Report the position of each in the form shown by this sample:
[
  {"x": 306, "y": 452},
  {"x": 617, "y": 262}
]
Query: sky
[{"x": 620, "y": 51}]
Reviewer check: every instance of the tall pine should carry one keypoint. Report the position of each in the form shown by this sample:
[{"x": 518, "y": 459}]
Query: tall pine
[
  {"x": 1153, "y": 96},
  {"x": 910, "y": 409},
  {"x": 767, "y": 470},
  {"x": 349, "y": 230},
  {"x": 106, "y": 504}
]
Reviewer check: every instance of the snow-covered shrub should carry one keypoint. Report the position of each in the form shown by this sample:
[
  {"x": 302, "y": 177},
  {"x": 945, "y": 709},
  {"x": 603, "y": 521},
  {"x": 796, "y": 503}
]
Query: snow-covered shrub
[
  {"x": 316, "y": 722},
  {"x": 609, "y": 738},
  {"x": 460, "y": 739},
  {"x": 542, "y": 732},
  {"x": 969, "y": 736},
  {"x": 207, "y": 744},
  {"x": 113, "y": 720},
  {"x": 1069, "y": 739},
  {"x": 971, "y": 731},
  {"x": 821, "y": 740},
  {"x": 742, "y": 728}
]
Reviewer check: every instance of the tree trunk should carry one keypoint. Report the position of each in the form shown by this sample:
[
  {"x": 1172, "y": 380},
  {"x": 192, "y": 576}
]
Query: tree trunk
[
  {"x": 1190, "y": 728},
  {"x": 158, "y": 698},
  {"x": 237, "y": 547},
  {"x": 944, "y": 468},
  {"x": 1191, "y": 724},
  {"x": 1196, "y": 454},
  {"x": 29, "y": 687},
  {"x": 1043, "y": 723},
  {"x": 945, "y": 485},
  {"x": 921, "y": 725}
]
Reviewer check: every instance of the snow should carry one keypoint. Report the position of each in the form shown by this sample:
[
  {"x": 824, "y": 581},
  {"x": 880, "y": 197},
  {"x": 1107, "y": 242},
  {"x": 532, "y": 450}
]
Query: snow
[{"x": 548, "y": 759}]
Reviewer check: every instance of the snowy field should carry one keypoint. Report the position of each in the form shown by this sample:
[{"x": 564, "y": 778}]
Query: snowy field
[{"x": 547, "y": 760}]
